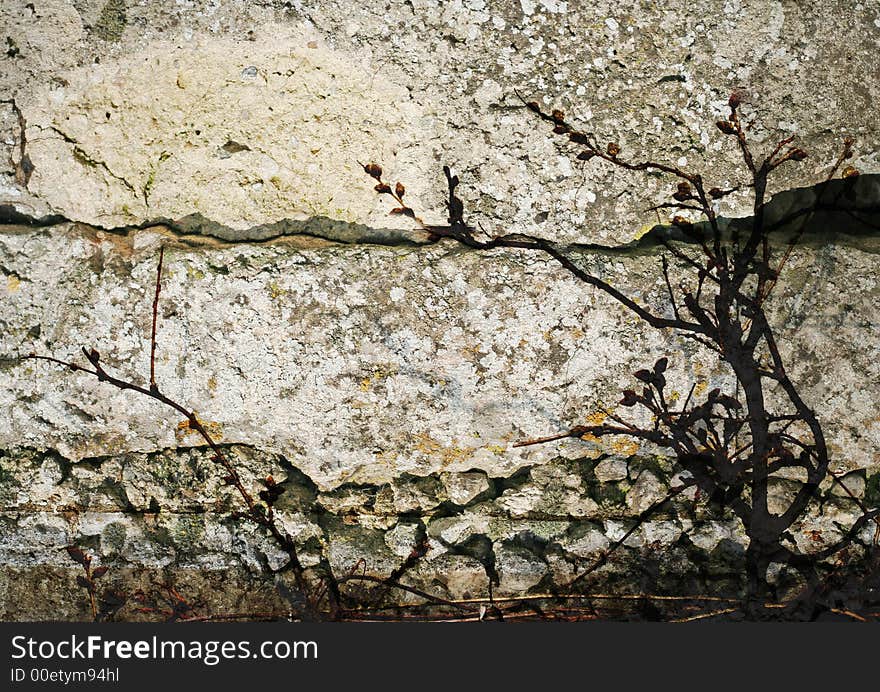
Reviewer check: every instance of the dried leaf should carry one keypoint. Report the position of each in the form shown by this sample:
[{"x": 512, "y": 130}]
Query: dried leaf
[
  {"x": 629, "y": 398},
  {"x": 399, "y": 190},
  {"x": 683, "y": 192},
  {"x": 99, "y": 572},
  {"x": 374, "y": 170},
  {"x": 644, "y": 375},
  {"x": 382, "y": 188},
  {"x": 405, "y": 211},
  {"x": 78, "y": 555},
  {"x": 725, "y": 127},
  {"x": 271, "y": 495}
]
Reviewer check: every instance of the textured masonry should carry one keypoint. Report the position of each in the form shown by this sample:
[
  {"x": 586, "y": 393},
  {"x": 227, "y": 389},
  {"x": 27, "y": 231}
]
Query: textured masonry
[{"x": 382, "y": 379}]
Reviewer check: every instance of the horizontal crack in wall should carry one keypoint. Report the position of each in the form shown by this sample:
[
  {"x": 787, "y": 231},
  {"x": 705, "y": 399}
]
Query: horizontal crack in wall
[{"x": 843, "y": 209}]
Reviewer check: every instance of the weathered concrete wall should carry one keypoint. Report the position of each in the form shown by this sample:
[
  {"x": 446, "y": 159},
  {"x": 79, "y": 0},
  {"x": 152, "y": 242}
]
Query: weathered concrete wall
[{"x": 326, "y": 344}]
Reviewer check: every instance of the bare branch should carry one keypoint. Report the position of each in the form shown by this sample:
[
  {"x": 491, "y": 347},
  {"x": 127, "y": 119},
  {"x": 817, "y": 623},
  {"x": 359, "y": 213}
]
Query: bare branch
[
  {"x": 153, "y": 386},
  {"x": 641, "y": 519}
]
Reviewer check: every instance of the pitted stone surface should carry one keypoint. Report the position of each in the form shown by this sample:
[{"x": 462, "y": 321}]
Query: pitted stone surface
[
  {"x": 242, "y": 119},
  {"x": 380, "y": 379}
]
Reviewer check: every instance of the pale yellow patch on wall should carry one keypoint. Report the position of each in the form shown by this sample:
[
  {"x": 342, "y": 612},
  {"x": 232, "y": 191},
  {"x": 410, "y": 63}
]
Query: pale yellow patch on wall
[
  {"x": 446, "y": 455},
  {"x": 185, "y": 428},
  {"x": 242, "y": 132},
  {"x": 595, "y": 418}
]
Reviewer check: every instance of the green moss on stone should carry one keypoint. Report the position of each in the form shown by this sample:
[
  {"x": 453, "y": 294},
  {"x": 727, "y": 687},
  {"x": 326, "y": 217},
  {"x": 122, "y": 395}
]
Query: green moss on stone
[
  {"x": 872, "y": 490},
  {"x": 188, "y": 530},
  {"x": 661, "y": 467},
  {"x": 111, "y": 22},
  {"x": 113, "y": 538},
  {"x": 607, "y": 493}
]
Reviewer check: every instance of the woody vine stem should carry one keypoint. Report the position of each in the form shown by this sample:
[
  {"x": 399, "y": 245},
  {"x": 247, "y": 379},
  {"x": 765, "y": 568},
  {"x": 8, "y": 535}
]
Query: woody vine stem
[
  {"x": 730, "y": 444},
  {"x": 260, "y": 513}
]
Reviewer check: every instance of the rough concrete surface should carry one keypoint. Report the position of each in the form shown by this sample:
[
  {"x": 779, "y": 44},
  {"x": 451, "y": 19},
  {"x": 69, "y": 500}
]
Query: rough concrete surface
[{"x": 381, "y": 378}]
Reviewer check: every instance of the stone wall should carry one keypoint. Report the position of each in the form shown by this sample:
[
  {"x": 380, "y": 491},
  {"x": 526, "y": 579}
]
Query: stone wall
[{"x": 382, "y": 378}]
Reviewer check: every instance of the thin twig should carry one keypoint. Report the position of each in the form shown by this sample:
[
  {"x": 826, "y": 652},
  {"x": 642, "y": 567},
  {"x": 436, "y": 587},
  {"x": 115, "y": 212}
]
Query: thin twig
[
  {"x": 403, "y": 587},
  {"x": 849, "y": 614},
  {"x": 704, "y": 616},
  {"x": 256, "y": 512},
  {"x": 153, "y": 386},
  {"x": 641, "y": 519}
]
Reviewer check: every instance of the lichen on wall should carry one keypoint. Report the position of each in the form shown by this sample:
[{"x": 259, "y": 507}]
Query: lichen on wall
[{"x": 380, "y": 378}]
